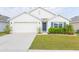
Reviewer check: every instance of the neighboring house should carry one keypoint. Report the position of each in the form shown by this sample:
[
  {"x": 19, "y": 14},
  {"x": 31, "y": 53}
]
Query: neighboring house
[
  {"x": 3, "y": 22},
  {"x": 75, "y": 23},
  {"x": 36, "y": 19}
]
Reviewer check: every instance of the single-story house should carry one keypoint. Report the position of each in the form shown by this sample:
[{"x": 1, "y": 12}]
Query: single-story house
[{"x": 38, "y": 18}]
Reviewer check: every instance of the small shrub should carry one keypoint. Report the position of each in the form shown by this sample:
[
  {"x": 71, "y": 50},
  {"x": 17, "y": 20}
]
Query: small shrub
[{"x": 7, "y": 29}]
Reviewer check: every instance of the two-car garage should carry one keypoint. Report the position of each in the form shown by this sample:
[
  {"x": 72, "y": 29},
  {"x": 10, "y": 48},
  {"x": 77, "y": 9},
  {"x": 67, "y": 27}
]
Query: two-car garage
[{"x": 25, "y": 27}]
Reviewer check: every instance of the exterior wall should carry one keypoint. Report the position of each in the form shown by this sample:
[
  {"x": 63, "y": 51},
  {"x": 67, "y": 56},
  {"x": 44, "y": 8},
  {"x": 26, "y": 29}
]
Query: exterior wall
[
  {"x": 57, "y": 20},
  {"x": 2, "y": 26},
  {"x": 40, "y": 13},
  {"x": 75, "y": 26}
]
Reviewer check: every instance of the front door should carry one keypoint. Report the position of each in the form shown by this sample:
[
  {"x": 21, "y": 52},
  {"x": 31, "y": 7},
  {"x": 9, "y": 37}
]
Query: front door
[{"x": 44, "y": 26}]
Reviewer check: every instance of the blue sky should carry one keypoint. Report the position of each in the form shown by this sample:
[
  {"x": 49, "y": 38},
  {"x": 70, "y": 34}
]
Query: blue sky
[{"x": 67, "y": 12}]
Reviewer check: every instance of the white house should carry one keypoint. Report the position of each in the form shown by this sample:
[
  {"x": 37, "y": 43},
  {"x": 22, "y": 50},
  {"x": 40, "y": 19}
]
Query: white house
[{"x": 36, "y": 19}]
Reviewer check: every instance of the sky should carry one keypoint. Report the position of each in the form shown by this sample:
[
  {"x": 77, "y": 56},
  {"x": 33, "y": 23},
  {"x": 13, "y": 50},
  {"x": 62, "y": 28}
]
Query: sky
[{"x": 67, "y": 12}]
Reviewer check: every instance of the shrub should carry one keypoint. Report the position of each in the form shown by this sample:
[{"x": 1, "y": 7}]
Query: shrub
[
  {"x": 50, "y": 30},
  {"x": 69, "y": 29},
  {"x": 56, "y": 30},
  {"x": 66, "y": 30},
  {"x": 7, "y": 29}
]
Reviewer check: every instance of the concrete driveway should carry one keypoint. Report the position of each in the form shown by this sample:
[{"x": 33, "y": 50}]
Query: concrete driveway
[{"x": 16, "y": 42}]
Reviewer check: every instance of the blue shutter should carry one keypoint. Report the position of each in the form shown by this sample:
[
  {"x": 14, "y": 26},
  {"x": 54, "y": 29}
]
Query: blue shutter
[
  {"x": 60, "y": 25},
  {"x": 64, "y": 24},
  {"x": 51, "y": 24}
]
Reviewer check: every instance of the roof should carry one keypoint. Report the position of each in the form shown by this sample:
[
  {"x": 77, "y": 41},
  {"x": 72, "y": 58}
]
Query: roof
[
  {"x": 24, "y": 13},
  {"x": 64, "y": 17},
  {"x": 75, "y": 19},
  {"x": 3, "y": 18},
  {"x": 42, "y": 9},
  {"x": 37, "y": 17},
  {"x": 49, "y": 12}
]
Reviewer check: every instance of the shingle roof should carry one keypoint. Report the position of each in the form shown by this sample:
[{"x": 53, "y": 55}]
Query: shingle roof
[
  {"x": 42, "y": 9},
  {"x": 3, "y": 18},
  {"x": 75, "y": 19},
  {"x": 64, "y": 17},
  {"x": 37, "y": 17},
  {"x": 49, "y": 12}
]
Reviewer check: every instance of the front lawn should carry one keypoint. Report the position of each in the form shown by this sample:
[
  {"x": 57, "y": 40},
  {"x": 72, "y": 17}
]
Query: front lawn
[
  {"x": 55, "y": 42},
  {"x": 2, "y": 33}
]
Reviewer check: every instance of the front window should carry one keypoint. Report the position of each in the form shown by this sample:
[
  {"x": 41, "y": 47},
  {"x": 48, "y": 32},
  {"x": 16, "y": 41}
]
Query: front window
[
  {"x": 60, "y": 25},
  {"x": 55, "y": 25}
]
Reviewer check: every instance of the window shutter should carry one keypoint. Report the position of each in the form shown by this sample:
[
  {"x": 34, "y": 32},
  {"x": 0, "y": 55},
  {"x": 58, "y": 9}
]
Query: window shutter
[{"x": 51, "y": 24}]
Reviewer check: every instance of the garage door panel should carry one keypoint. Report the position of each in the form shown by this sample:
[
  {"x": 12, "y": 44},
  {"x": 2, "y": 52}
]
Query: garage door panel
[{"x": 25, "y": 27}]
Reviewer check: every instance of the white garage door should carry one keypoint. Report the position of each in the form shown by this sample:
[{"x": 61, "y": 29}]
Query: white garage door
[{"x": 25, "y": 27}]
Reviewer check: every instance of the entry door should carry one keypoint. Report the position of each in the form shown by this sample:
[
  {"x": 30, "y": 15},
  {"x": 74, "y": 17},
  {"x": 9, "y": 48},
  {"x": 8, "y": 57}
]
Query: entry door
[{"x": 44, "y": 26}]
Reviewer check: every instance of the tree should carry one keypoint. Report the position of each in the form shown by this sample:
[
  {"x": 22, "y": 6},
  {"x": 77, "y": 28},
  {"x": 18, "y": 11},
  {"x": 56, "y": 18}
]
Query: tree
[{"x": 7, "y": 29}]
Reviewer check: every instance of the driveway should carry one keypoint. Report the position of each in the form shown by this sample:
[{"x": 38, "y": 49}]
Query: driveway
[{"x": 16, "y": 42}]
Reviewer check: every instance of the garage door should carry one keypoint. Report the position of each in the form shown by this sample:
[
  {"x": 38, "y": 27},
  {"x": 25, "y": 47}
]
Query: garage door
[{"x": 25, "y": 27}]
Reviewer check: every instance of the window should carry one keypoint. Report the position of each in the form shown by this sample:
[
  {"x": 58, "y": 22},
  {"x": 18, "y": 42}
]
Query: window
[
  {"x": 51, "y": 24},
  {"x": 60, "y": 25},
  {"x": 55, "y": 25}
]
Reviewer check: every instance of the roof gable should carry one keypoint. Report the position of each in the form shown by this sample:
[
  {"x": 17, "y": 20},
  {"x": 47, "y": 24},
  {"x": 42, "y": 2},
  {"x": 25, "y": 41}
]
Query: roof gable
[
  {"x": 25, "y": 15},
  {"x": 42, "y": 13},
  {"x": 42, "y": 9},
  {"x": 38, "y": 13}
]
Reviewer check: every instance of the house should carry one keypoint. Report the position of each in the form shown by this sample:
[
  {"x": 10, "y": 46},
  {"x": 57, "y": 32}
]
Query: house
[
  {"x": 38, "y": 18},
  {"x": 75, "y": 23},
  {"x": 3, "y": 22}
]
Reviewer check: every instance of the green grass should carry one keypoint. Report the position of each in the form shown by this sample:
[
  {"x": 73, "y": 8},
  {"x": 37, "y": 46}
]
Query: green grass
[
  {"x": 55, "y": 42},
  {"x": 2, "y": 33}
]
